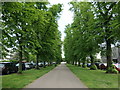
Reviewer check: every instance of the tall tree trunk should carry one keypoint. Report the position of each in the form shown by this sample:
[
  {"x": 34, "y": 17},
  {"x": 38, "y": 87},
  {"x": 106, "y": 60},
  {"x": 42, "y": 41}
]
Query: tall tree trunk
[
  {"x": 108, "y": 49},
  {"x": 73, "y": 62},
  {"x": 37, "y": 57},
  {"x": 57, "y": 61},
  {"x": 44, "y": 64},
  {"x": 108, "y": 54},
  {"x": 78, "y": 62},
  {"x": 68, "y": 62},
  {"x": 19, "y": 38},
  {"x": 20, "y": 61},
  {"x": 49, "y": 63},
  {"x": 92, "y": 60},
  {"x": 75, "y": 57}
]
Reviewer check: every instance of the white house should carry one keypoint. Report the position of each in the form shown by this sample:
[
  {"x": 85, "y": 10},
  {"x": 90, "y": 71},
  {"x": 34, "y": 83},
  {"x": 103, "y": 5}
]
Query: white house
[{"x": 115, "y": 55}]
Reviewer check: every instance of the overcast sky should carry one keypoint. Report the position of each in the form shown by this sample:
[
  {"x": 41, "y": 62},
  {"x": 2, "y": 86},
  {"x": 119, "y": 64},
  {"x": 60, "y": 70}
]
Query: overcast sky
[
  {"x": 66, "y": 15},
  {"x": 65, "y": 18}
]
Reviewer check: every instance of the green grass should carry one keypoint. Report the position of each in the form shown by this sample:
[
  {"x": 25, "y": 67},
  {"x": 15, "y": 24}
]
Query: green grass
[
  {"x": 28, "y": 76},
  {"x": 95, "y": 78}
]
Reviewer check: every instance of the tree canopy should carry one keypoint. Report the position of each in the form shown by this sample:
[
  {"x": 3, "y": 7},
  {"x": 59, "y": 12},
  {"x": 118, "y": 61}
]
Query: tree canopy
[
  {"x": 94, "y": 23},
  {"x": 31, "y": 28}
]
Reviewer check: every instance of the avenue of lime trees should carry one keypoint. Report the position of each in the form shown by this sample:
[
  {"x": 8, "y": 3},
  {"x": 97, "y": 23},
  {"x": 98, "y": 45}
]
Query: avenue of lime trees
[
  {"x": 94, "y": 23},
  {"x": 30, "y": 29}
]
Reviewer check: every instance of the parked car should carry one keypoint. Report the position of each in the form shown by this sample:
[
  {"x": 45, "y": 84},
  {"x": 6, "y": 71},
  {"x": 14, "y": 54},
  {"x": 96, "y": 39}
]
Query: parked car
[
  {"x": 29, "y": 65},
  {"x": 88, "y": 64},
  {"x": 54, "y": 63},
  {"x": 8, "y": 67},
  {"x": 103, "y": 66},
  {"x": 41, "y": 64},
  {"x": 46, "y": 63},
  {"x": 23, "y": 66}
]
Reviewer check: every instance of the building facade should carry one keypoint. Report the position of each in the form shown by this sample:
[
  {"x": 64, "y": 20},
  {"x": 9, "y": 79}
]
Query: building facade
[{"x": 115, "y": 55}]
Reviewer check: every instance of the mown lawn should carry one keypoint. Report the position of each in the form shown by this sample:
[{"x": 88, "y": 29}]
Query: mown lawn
[
  {"x": 95, "y": 78},
  {"x": 28, "y": 76}
]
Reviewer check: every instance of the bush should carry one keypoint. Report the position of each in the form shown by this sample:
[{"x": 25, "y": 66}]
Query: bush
[
  {"x": 93, "y": 67},
  {"x": 84, "y": 66},
  {"x": 115, "y": 71},
  {"x": 112, "y": 69},
  {"x": 80, "y": 65},
  {"x": 55, "y": 65},
  {"x": 113, "y": 66}
]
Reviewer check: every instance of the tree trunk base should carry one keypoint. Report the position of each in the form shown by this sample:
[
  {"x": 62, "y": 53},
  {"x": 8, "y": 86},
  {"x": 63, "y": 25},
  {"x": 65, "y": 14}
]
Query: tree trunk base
[
  {"x": 37, "y": 68},
  {"x": 79, "y": 65},
  {"x": 113, "y": 71},
  {"x": 19, "y": 72},
  {"x": 44, "y": 66}
]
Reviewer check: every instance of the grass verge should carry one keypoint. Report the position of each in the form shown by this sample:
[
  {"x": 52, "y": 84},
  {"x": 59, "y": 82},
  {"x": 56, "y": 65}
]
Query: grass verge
[
  {"x": 95, "y": 78},
  {"x": 28, "y": 76}
]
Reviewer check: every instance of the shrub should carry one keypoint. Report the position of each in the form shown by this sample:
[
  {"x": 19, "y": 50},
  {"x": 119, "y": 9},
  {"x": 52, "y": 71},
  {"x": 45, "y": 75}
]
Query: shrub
[
  {"x": 93, "y": 67},
  {"x": 113, "y": 66},
  {"x": 84, "y": 66},
  {"x": 55, "y": 65},
  {"x": 80, "y": 65},
  {"x": 112, "y": 69}
]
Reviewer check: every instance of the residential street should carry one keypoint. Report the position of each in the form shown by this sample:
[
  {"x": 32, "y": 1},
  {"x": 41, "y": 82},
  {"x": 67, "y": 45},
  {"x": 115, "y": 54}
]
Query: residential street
[{"x": 60, "y": 77}]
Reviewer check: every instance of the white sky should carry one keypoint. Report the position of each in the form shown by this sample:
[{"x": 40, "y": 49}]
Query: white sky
[
  {"x": 65, "y": 18},
  {"x": 66, "y": 15}
]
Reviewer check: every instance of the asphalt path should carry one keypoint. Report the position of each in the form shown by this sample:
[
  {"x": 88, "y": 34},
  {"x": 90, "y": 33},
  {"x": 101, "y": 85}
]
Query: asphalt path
[{"x": 59, "y": 77}]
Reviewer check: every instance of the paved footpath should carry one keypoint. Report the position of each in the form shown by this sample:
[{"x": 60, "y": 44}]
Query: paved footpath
[{"x": 59, "y": 77}]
